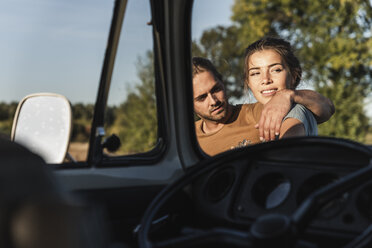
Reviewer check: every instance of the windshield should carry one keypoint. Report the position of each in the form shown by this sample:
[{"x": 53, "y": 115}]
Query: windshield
[{"x": 333, "y": 47}]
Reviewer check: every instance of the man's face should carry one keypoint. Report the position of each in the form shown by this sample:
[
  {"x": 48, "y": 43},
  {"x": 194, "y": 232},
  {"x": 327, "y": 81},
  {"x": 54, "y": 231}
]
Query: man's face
[{"x": 210, "y": 102}]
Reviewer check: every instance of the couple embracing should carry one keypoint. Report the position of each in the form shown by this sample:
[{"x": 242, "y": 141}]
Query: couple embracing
[{"x": 272, "y": 73}]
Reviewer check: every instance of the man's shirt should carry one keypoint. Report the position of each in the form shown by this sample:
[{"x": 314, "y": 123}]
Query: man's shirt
[{"x": 238, "y": 131}]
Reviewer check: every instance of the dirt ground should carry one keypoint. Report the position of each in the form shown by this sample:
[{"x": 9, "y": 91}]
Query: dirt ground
[{"x": 78, "y": 150}]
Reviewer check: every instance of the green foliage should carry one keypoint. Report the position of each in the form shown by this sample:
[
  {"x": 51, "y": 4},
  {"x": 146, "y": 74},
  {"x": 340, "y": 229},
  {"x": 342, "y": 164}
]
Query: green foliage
[
  {"x": 227, "y": 54},
  {"x": 333, "y": 42},
  {"x": 134, "y": 121},
  {"x": 82, "y": 116},
  {"x": 136, "y": 118},
  {"x": 7, "y": 112},
  {"x": 349, "y": 121}
]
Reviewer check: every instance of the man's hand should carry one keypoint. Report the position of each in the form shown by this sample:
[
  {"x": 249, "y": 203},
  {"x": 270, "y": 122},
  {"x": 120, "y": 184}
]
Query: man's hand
[
  {"x": 273, "y": 114},
  {"x": 280, "y": 104}
]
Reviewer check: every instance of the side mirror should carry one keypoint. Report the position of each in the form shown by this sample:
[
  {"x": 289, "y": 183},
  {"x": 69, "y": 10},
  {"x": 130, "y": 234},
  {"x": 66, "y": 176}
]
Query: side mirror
[{"x": 42, "y": 123}]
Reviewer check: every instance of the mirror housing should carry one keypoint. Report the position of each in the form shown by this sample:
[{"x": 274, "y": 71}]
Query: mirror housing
[{"x": 42, "y": 123}]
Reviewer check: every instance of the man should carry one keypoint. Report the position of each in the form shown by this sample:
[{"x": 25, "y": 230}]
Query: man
[{"x": 223, "y": 126}]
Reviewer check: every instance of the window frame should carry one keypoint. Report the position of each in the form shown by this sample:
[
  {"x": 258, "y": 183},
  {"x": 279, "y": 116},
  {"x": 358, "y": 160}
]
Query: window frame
[{"x": 96, "y": 156}]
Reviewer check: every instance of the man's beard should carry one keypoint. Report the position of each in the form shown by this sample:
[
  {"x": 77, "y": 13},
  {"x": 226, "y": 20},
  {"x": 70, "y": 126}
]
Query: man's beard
[{"x": 217, "y": 118}]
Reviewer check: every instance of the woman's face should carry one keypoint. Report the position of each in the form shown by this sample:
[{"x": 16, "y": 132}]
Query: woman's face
[{"x": 267, "y": 74}]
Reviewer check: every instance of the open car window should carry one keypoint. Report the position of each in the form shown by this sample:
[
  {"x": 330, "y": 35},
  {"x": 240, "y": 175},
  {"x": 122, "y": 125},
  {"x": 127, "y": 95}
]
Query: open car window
[
  {"x": 332, "y": 45},
  {"x": 60, "y": 47},
  {"x": 131, "y": 113}
]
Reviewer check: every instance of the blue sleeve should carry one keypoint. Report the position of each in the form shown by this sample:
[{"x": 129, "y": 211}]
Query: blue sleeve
[{"x": 307, "y": 118}]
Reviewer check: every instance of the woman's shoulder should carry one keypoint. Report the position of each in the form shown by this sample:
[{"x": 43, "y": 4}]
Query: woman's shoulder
[{"x": 305, "y": 116}]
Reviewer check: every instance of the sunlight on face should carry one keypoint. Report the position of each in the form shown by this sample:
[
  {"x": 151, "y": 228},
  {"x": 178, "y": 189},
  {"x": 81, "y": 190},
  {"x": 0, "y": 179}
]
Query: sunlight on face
[
  {"x": 209, "y": 97},
  {"x": 267, "y": 74}
]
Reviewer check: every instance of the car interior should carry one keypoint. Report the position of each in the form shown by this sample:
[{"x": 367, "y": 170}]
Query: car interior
[{"x": 156, "y": 187}]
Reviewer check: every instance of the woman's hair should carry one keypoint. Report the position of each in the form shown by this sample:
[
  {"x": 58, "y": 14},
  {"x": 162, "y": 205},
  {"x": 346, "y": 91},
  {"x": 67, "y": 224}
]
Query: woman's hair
[{"x": 283, "y": 48}]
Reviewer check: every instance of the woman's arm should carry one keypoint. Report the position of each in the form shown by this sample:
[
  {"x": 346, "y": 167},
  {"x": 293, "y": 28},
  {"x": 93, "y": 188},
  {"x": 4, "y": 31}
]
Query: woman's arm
[
  {"x": 292, "y": 127},
  {"x": 298, "y": 122}
]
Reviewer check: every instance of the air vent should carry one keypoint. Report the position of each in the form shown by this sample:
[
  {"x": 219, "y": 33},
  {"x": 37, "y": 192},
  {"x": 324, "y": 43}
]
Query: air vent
[
  {"x": 219, "y": 184},
  {"x": 271, "y": 190}
]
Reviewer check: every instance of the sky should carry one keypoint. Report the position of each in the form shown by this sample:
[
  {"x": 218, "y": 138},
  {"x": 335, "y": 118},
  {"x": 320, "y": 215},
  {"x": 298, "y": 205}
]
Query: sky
[
  {"x": 58, "y": 46},
  {"x": 51, "y": 45}
]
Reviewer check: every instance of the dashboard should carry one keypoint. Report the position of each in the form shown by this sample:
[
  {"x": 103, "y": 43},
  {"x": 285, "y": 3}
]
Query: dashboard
[{"x": 279, "y": 178}]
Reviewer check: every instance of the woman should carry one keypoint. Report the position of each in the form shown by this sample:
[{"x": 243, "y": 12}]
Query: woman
[{"x": 271, "y": 67}]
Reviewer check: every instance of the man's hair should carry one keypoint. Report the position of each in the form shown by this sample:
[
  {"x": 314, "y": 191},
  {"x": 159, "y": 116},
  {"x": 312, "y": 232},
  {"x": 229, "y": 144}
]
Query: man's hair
[
  {"x": 283, "y": 48},
  {"x": 200, "y": 65}
]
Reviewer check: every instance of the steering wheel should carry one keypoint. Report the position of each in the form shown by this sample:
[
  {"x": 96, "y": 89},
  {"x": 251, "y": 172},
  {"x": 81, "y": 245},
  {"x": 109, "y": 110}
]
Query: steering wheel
[{"x": 271, "y": 228}]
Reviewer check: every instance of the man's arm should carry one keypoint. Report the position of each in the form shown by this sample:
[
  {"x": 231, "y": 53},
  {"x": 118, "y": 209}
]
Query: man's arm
[
  {"x": 276, "y": 109},
  {"x": 321, "y": 106}
]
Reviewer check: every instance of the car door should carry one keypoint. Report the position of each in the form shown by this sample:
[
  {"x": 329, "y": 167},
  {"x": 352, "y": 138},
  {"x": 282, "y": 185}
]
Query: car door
[
  {"x": 124, "y": 184},
  {"x": 152, "y": 35}
]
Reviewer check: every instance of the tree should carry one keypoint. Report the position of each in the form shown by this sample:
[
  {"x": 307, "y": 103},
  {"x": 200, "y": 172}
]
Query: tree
[
  {"x": 333, "y": 41},
  {"x": 136, "y": 118},
  {"x": 349, "y": 120},
  {"x": 7, "y": 112},
  {"x": 221, "y": 45},
  {"x": 82, "y": 115}
]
